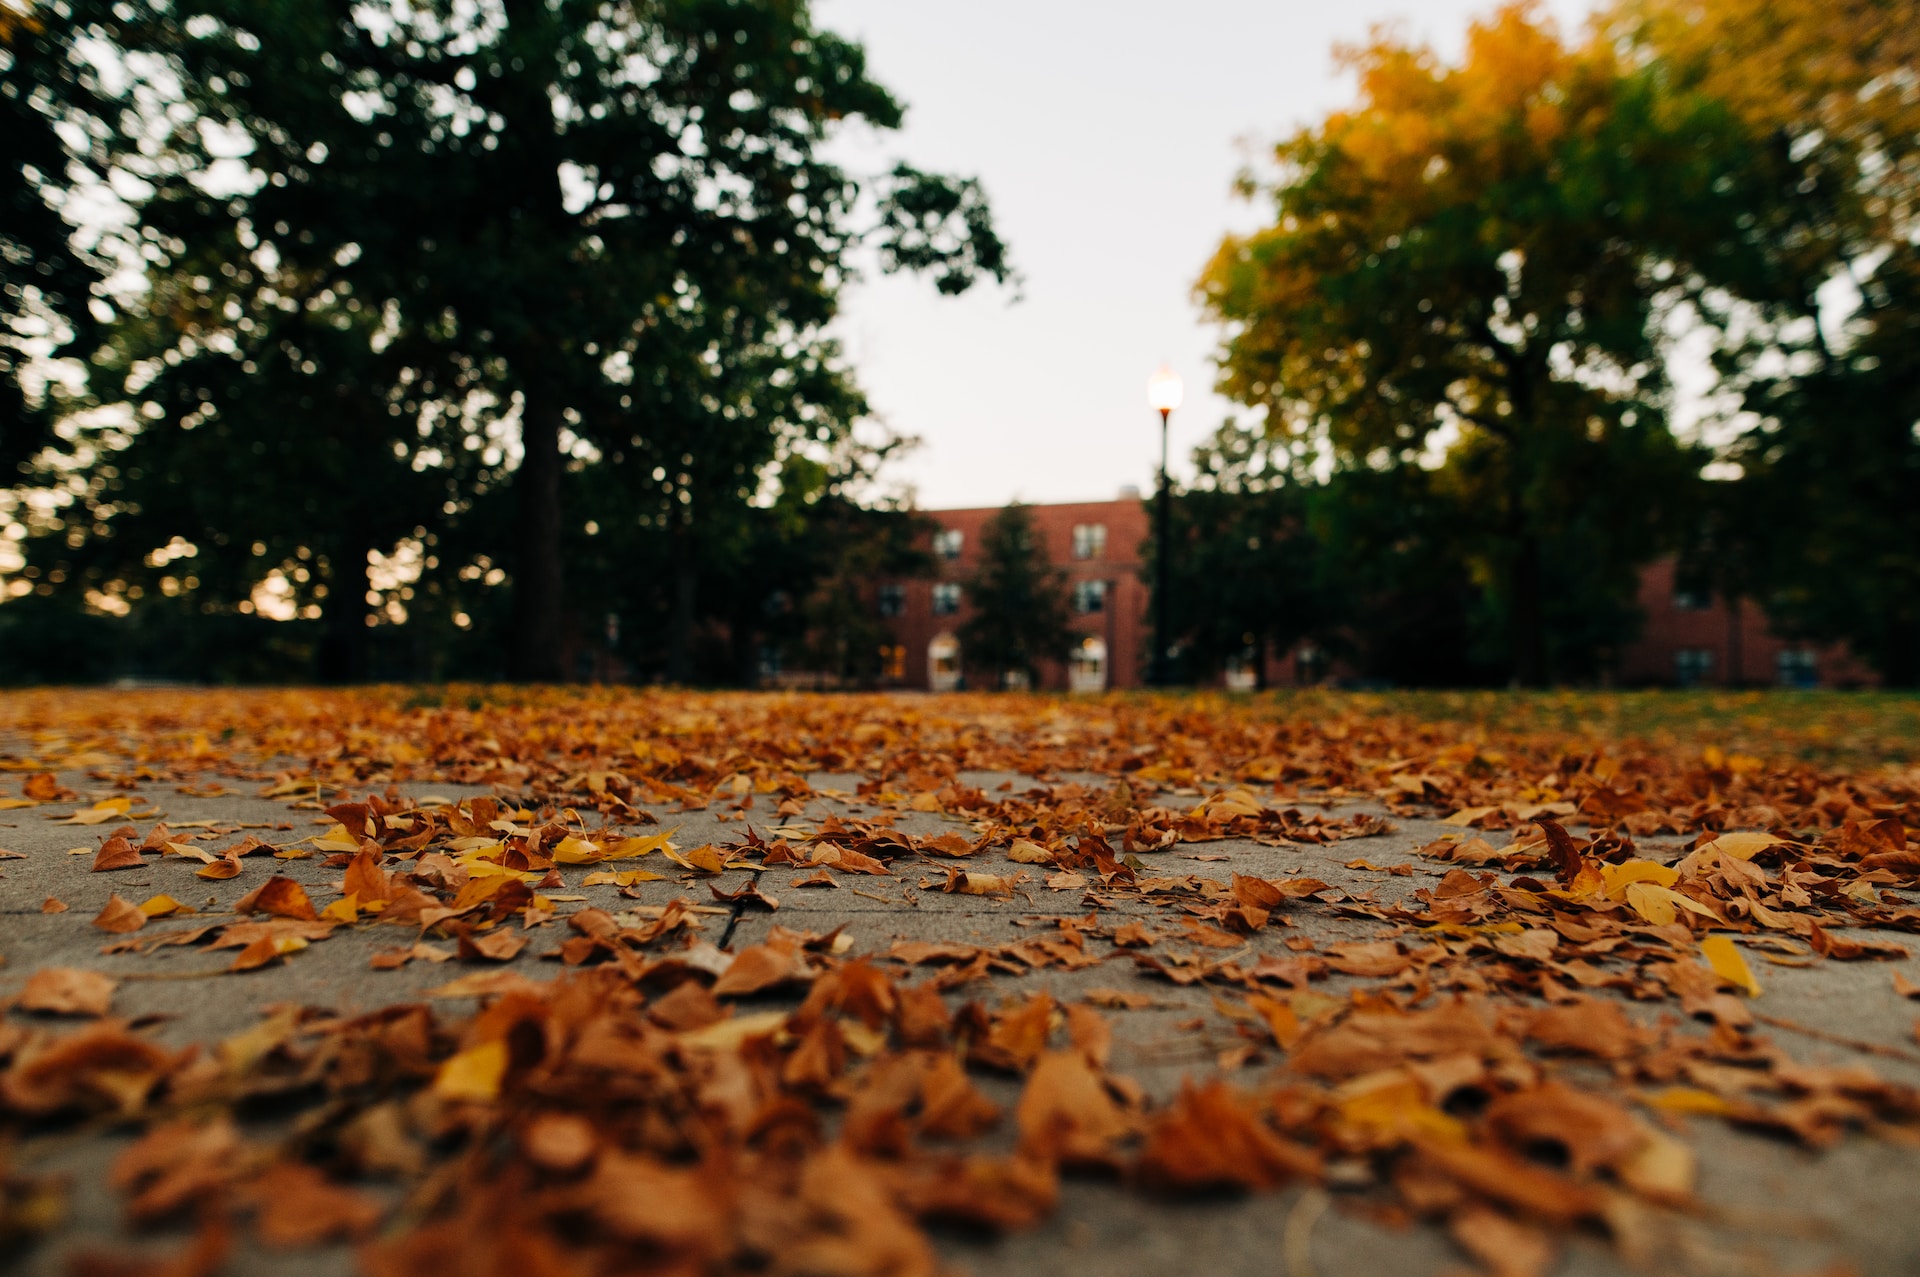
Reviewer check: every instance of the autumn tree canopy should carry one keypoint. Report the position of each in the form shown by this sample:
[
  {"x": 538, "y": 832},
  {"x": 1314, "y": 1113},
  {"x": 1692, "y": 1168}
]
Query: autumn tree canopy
[
  {"x": 1467, "y": 268},
  {"x": 1818, "y": 335}
]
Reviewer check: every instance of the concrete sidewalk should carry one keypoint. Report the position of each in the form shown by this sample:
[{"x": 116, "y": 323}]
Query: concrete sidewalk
[{"x": 1769, "y": 1207}]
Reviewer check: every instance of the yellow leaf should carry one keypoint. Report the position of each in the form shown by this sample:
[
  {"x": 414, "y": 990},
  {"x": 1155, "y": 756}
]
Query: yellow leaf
[
  {"x": 1235, "y": 802},
  {"x": 100, "y": 813},
  {"x": 1027, "y": 852},
  {"x": 1620, "y": 877},
  {"x": 162, "y": 906},
  {"x": 1728, "y": 964},
  {"x": 1651, "y": 902},
  {"x": 473, "y": 1074},
  {"x": 8, "y": 804},
  {"x": 189, "y": 850},
  {"x": 1661, "y": 1165},
  {"x": 1689, "y": 1099},
  {"x": 575, "y": 851},
  {"x": 1743, "y": 846},
  {"x": 345, "y": 909},
  {"x": 628, "y": 847},
  {"x": 728, "y": 1034},
  {"x": 706, "y": 859},
  {"x": 1467, "y": 815},
  {"x": 1395, "y": 1104},
  {"x": 335, "y": 838},
  {"x": 620, "y": 877}
]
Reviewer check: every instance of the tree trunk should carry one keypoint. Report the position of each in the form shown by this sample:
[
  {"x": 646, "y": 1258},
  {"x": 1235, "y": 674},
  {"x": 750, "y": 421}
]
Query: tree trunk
[
  {"x": 1527, "y": 618},
  {"x": 343, "y": 637},
  {"x": 1900, "y": 660},
  {"x": 680, "y": 619},
  {"x": 537, "y": 590},
  {"x": 1736, "y": 655}
]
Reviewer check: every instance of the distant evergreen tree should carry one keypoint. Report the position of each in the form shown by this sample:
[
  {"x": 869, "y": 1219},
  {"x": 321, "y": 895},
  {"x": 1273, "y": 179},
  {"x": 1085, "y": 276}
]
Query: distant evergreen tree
[{"x": 1020, "y": 609}]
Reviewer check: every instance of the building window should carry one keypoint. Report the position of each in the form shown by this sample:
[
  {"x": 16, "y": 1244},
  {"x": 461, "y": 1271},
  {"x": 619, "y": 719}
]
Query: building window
[
  {"x": 893, "y": 662},
  {"x": 1692, "y": 666},
  {"x": 946, "y": 598},
  {"x": 1089, "y": 597},
  {"x": 892, "y": 600},
  {"x": 948, "y": 542},
  {"x": 1796, "y": 667},
  {"x": 1089, "y": 540},
  {"x": 1692, "y": 600}
]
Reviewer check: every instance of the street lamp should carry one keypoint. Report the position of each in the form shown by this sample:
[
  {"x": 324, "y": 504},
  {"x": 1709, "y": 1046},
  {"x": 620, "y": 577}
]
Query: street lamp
[{"x": 1163, "y": 395}]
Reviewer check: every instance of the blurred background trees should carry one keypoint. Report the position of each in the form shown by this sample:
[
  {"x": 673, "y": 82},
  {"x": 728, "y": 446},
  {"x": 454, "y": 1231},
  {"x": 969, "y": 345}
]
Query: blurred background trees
[
  {"x": 434, "y": 294},
  {"x": 1020, "y": 613},
  {"x": 491, "y": 340},
  {"x": 1473, "y": 287}
]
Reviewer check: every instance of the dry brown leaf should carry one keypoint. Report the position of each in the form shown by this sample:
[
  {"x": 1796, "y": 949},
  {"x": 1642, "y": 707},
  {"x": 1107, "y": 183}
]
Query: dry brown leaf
[
  {"x": 67, "y": 991},
  {"x": 119, "y": 916},
  {"x": 279, "y": 896},
  {"x": 116, "y": 853}
]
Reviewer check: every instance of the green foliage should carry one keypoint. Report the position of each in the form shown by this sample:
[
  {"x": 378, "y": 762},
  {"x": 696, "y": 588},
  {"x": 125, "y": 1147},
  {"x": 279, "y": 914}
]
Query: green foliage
[
  {"x": 1245, "y": 568},
  {"x": 46, "y": 283},
  {"x": 1020, "y": 609},
  {"x": 1818, "y": 332},
  {"x": 490, "y": 285}
]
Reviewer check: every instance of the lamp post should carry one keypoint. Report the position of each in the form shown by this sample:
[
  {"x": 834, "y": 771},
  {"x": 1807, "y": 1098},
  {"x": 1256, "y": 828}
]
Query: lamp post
[{"x": 1163, "y": 395}]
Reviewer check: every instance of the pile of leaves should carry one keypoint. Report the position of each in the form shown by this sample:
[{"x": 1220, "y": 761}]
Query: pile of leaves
[{"x": 654, "y": 1101}]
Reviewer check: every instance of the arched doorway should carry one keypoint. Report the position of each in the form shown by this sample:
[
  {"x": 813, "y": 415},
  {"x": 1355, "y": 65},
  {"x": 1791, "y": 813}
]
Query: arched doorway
[
  {"x": 943, "y": 663},
  {"x": 1087, "y": 667}
]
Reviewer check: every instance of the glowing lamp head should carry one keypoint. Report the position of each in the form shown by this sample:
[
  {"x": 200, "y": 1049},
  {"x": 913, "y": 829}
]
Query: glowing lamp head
[{"x": 1164, "y": 389}]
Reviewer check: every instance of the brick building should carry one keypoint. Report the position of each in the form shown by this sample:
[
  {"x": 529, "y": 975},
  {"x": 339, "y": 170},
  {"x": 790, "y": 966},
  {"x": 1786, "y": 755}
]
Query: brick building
[
  {"x": 1688, "y": 639},
  {"x": 1692, "y": 639},
  {"x": 1096, "y": 543}
]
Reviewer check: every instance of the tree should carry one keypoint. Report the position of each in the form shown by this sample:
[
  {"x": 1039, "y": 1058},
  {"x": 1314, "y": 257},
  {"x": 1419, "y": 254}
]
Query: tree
[
  {"x": 1020, "y": 613},
  {"x": 47, "y": 285},
  {"x": 604, "y": 222},
  {"x": 280, "y": 444},
  {"x": 1472, "y": 263},
  {"x": 1245, "y": 565},
  {"x": 1819, "y": 332}
]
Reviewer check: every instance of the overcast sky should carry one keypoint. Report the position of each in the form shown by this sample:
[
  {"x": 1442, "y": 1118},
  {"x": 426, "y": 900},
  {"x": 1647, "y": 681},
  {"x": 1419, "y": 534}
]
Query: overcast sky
[{"x": 1107, "y": 133}]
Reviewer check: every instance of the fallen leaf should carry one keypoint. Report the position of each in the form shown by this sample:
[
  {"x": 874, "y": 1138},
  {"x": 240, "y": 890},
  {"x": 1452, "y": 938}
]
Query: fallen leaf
[
  {"x": 45, "y": 787},
  {"x": 118, "y": 916},
  {"x": 1742, "y": 846},
  {"x": 67, "y": 991},
  {"x": 1026, "y": 852},
  {"x": 164, "y": 906},
  {"x": 297, "y": 1207},
  {"x": 492, "y": 946},
  {"x": 474, "y": 1074},
  {"x": 281, "y": 897},
  {"x": 266, "y": 949},
  {"x": 116, "y": 853},
  {"x": 1729, "y": 965},
  {"x": 1066, "y": 1115}
]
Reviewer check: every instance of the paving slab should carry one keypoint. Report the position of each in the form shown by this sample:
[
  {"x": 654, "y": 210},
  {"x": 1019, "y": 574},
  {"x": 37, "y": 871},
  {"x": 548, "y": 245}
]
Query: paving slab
[{"x": 1767, "y": 1207}]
